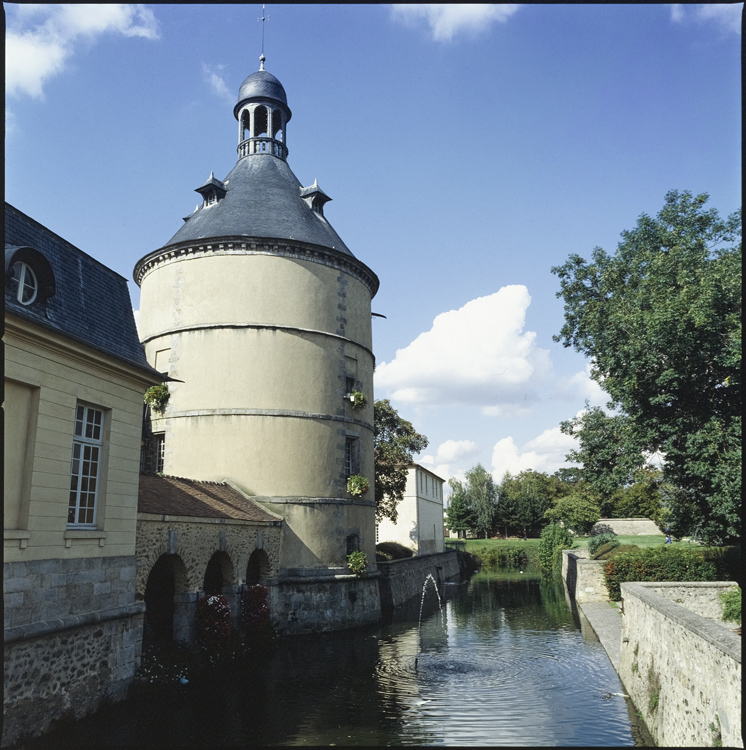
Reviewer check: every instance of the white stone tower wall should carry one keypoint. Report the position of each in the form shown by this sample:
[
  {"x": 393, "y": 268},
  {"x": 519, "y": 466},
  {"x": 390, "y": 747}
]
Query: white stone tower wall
[{"x": 263, "y": 344}]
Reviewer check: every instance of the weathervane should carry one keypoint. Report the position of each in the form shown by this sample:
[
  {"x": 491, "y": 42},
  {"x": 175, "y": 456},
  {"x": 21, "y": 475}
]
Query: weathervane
[{"x": 262, "y": 58}]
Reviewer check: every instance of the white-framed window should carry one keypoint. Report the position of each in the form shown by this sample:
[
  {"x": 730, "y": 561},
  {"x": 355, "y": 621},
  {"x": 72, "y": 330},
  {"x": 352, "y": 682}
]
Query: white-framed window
[
  {"x": 160, "y": 451},
  {"x": 23, "y": 282},
  {"x": 352, "y": 456},
  {"x": 85, "y": 469}
]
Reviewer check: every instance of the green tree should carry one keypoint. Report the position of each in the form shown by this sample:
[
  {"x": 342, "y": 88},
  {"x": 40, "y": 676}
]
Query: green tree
[
  {"x": 523, "y": 499},
  {"x": 482, "y": 498},
  {"x": 395, "y": 443},
  {"x": 609, "y": 452},
  {"x": 459, "y": 516},
  {"x": 661, "y": 322},
  {"x": 643, "y": 499},
  {"x": 577, "y": 512}
]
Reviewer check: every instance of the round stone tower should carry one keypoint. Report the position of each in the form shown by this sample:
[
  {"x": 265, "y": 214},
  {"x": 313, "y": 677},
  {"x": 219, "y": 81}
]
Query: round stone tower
[{"x": 261, "y": 316}]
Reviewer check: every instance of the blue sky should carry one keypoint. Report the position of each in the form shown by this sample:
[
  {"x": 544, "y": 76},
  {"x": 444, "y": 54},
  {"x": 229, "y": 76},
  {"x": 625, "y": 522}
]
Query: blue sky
[{"x": 467, "y": 150}]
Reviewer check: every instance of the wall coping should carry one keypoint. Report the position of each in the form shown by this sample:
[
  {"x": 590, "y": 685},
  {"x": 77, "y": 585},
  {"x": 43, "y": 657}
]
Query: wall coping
[
  {"x": 720, "y": 637},
  {"x": 384, "y": 565},
  {"x": 39, "y": 629}
]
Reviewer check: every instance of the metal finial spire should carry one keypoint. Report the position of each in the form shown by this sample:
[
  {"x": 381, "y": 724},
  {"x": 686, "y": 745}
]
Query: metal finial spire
[{"x": 262, "y": 19}]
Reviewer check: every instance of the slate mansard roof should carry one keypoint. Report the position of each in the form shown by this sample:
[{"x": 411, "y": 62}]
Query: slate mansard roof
[
  {"x": 90, "y": 304},
  {"x": 263, "y": 199}
]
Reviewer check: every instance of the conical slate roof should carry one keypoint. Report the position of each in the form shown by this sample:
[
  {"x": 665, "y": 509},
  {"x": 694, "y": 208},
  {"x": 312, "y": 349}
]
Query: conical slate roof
[{"x": 262, "y": 199}]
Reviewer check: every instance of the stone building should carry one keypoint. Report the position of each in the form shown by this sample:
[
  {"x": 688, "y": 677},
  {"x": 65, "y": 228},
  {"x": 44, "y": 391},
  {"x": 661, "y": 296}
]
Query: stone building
[
  {"x": 75, "y": 373},
  {"x": 260, "y": 314},
  {"x": 419, "y": 523}
]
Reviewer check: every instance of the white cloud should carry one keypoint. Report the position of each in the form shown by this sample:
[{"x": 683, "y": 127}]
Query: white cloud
[
  {"x": 41, "y": 39},
  {"x": 726, "y": 16},
  {"x": 580, "y": 387},
  {"x": 448, "y": 453},
  {"x": 477, "y": 355},
  {"x": 544, "y": 453},
  {"x": 217, "y": 82},
  {"x": 447, "y": 20}
]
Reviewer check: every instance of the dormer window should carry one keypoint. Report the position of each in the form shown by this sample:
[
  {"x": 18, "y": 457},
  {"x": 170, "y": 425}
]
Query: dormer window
[
  {"x": 29, "y": 279},
  {"x": 315, "y": 197},
  {"x": 23, "y": 283}
]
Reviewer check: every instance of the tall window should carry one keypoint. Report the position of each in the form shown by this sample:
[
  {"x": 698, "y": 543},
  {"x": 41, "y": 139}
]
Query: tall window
[
  {"x": 86, "y": 466},
  {"x": 352, "y": 456},
  {"x": 160, "y": 451}
]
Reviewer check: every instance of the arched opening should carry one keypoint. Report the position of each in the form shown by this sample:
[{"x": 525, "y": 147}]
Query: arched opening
[
  {"x": 260, "y": 121},
  {"x": 245, "y": 124},
  {"x": 219, "y": 573},
  {"x": 277, "y": 128},
  {"x": 165, "y": 579},
  {"x": 257, "y": 568}
]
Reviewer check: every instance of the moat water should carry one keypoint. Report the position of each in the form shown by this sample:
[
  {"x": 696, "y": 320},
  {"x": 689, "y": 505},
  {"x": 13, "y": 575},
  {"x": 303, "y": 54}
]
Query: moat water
[{"x": 503, "y": 663}]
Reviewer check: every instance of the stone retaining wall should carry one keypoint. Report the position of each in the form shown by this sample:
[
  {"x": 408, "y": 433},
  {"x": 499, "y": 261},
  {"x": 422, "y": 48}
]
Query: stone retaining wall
[
  {"x": 584, "y": 578},
  {"x": 324, "y": 603},
  {"x": 626, "y": 526},
  {"x": 681, "y": 670},
  {"x": 69, "y": 670},
  {"x": 45, "y": 590},
  {"x": 403, "y": 579}
]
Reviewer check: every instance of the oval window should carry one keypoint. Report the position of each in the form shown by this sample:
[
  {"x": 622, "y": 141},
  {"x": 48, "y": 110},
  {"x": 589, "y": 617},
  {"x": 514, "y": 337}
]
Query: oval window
[{"x": 23, "y": 283}]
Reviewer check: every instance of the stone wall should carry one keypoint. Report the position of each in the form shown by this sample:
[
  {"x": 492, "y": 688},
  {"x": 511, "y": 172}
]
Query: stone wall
[
  {"x": 44, "y": 590},
  {"x": 626, "y": 526},
  {"x": 584, "y": 578},
  {"x": 68, "y": 668},
  {"x": 403, "y": 579},
  {"x": 322, "y": 603},
  {"x": 682, "y": 670}
]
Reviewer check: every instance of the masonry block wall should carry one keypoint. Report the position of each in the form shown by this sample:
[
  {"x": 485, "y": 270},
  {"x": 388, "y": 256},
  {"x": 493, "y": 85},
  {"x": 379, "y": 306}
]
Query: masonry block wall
[
  {"x": 681, "y": 670},
  {"x": 402, "y": 580}
]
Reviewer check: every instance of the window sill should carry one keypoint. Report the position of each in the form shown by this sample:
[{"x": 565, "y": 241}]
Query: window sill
[
  {"x": 21, "y": 536},
  {"x": 71, "y": 534}
]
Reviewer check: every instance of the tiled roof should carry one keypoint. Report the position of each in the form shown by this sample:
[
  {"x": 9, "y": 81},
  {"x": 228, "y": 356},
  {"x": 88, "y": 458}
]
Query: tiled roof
[
  {"x": 91, "y": 303},
  {"x": 176, "y": 496},
  {"x": 263, "y": 199}
]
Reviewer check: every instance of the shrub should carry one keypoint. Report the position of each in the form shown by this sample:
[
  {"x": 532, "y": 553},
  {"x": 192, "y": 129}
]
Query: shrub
[
  {"x": 387, "y": 551},
  {"x": 156, "y": 396},
  {"x": 255, "y": 621},
  {"x": 357, "y": 562},
  {"x": 657, "y": 564},
  {"x": 213, "y": 623},
  {"x": 553, "y": 537},
  {"x": 357, "y": 485},
  {"x": 732, "y": 605},
  {"x": 602, "y": 553},
  {"x": 599, "y": 540}
]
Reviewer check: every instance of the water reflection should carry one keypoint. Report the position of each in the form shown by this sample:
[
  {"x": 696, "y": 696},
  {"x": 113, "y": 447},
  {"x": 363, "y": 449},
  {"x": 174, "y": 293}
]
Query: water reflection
[{"x": 504, "y": 664}]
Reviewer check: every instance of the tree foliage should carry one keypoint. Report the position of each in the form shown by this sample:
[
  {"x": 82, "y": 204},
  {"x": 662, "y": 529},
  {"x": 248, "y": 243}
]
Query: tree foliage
[
  {"x": 577, "y": 512},
  {"x": 482, "y": 499},
  {"x": 395, "y": 443},
  {"x": 661, "y": 322},
  {"x": 459, "y": 516},
  {"x": 523, "y": 499}
]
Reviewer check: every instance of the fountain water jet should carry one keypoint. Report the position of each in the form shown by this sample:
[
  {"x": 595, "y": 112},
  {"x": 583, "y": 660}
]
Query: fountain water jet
[{"x": 422, "y": 601}]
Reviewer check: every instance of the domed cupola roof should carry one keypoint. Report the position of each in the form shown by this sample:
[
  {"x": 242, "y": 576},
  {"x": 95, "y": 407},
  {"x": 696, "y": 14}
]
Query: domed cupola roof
[{"x": 261, "y": 85}]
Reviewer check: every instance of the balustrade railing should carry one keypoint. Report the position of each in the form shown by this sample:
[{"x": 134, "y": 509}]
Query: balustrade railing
[{"x": 262, "y": 145}]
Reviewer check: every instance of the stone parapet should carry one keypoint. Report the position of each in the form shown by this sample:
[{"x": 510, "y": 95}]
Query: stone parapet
[
  {"x": 402, "y": 580},
  {"x": 681, "y": 670},
  {"x": 584, "y": 578}
]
